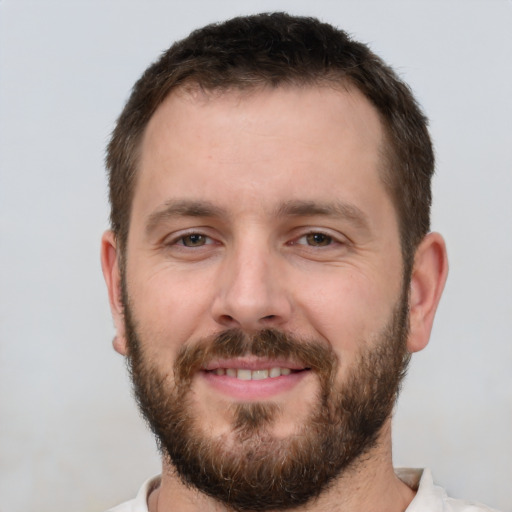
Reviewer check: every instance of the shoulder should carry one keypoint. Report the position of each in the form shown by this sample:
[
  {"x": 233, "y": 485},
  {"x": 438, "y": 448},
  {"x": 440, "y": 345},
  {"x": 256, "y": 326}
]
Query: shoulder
[
  {"x": 140, "y": 502},
  {"x": 432, "y": 498}
]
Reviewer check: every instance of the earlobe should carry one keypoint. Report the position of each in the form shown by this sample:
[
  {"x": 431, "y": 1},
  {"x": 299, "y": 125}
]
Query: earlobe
[
  {"x": 112, "y": 275},
  {"x": 427, "y": 283}
]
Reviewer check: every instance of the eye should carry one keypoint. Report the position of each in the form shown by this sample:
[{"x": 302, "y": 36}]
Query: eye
[
  {"x": 319, "y": 244},
  {"x": 194, "y": 240},
  {"x": 318, "y": 239},
  {"x": 315, "y": 239},
  {"x": 191, "y": 245}
]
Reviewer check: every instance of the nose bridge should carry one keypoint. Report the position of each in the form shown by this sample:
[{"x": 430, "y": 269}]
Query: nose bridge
[{"x": 251, "y": 294}]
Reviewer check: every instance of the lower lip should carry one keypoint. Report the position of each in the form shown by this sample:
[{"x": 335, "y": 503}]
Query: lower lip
[{"x": 253, "y": 389}]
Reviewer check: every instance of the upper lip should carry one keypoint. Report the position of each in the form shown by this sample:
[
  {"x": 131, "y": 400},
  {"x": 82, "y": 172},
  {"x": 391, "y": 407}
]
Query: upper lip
[{"x": 252, "y": 363}]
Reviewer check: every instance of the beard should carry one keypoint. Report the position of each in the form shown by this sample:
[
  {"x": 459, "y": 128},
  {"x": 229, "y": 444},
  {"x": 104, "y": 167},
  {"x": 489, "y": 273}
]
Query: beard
[{"x": 250, "y": 469}]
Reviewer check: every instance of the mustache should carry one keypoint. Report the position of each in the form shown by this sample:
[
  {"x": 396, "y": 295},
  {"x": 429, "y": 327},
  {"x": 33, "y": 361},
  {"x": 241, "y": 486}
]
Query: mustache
[{"x": 267, "y": 343}]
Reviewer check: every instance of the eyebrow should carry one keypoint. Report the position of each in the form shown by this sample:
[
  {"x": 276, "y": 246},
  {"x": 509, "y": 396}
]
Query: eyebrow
[
  {"x": 294, "y": 208},
  {"x": 338, "y": 209},
  {"x": 182, "y": 208}
]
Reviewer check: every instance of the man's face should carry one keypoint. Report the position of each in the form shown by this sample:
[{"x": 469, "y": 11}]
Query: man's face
[{"x": 264, "y": 212}]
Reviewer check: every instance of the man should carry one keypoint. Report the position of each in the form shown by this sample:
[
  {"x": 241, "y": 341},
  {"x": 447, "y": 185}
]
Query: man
[{"x": 270, "y": 269}]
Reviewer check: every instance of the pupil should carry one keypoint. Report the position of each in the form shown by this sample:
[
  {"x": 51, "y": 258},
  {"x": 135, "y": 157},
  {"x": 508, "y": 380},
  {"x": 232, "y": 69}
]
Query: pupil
[
  {"x": 194, "y": 239},
  {"x": 319, "y": 239}
]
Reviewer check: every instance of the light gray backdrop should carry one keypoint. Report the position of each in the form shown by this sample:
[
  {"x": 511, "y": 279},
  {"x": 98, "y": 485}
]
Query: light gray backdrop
[{"x": 70, "y": 436}]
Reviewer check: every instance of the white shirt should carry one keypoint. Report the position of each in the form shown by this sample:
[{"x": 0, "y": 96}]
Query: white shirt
[
  {"x": 429, "y": 497},
  {"x": 432, "y": 498}
]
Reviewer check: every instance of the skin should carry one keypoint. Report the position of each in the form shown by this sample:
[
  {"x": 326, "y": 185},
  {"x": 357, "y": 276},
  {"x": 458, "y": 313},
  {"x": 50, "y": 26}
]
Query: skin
[{"x": 265, "y": 171}]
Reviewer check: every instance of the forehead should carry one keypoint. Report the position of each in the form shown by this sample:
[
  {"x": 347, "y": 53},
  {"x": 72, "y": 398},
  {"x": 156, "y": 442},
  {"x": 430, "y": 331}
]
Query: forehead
[
  {"x": 293, "y": 142},
  {"x": 335, "y": 104}
]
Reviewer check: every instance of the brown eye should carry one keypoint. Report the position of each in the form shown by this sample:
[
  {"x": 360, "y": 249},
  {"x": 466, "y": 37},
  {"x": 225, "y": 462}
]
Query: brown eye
[
  {"x": 318, "y": 239},
  {"x": 194, "y": 240}
]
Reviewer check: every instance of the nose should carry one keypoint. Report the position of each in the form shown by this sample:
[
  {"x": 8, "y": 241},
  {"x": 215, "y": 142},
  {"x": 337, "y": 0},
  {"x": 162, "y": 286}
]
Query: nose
[{"x": 251, "y": 291}]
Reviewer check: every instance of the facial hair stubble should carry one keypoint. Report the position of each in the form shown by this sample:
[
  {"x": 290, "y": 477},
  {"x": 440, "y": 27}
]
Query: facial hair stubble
[{"x": 253, "y": 470}]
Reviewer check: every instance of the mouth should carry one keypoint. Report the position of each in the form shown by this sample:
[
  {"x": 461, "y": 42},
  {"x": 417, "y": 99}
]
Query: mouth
[
  {"x": 253, "y": 379},
  {"x": 247, "y": 374}
]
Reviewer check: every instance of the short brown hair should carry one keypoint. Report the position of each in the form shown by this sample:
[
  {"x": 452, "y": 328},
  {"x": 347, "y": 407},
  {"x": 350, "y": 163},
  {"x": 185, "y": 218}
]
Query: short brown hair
[{"x": 273, "y": 50}]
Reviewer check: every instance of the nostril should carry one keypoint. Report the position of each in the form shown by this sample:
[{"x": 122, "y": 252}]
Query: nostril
[{"x": 228, "y": 321}]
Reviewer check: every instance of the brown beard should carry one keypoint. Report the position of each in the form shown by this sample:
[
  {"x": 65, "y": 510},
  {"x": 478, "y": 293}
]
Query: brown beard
[{"x": 258, "y": 472}]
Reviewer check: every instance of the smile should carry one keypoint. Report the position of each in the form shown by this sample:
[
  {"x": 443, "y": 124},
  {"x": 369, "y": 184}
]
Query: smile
[
  {"x": 250, "y": 378},
  {"x": 247, "y": 374}
]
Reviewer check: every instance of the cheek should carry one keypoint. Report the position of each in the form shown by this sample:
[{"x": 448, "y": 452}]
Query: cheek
[
  {"x": 169, "y": 308},
  {"x": 348, "y": 310}
]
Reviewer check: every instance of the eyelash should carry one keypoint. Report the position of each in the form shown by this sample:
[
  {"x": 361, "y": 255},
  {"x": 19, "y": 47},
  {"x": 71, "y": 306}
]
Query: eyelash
[
  {"x": 329, "y": 240},
  {"x": 180, "y": 241}
]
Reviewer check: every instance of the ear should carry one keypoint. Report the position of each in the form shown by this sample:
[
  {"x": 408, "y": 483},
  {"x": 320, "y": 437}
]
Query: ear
[
  {"x": 112, "y": 275},
  {"x": 427, "y": 283}
]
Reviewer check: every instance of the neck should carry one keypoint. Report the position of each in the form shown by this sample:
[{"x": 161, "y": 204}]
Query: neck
[{"x": 371, "y": 485}]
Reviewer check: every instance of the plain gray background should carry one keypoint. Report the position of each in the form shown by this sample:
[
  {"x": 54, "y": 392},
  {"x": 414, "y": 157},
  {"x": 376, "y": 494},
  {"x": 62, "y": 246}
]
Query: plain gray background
[{"x": 70, "y": 435}]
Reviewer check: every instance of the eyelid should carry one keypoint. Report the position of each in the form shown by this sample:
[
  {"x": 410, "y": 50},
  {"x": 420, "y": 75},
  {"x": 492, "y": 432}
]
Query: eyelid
[
  {"x": 175, "y": 238},
  {"x": 207, "y": 240},
  {"x": 336, "y": 237}
]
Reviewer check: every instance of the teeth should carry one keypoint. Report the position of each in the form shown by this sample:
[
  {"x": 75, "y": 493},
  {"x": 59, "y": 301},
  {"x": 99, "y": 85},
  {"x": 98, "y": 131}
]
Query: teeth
[
  {"x": 275, "y": 372},
  {"x": 259, "y": 374},
  {"x": 245, "y": 374}
]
